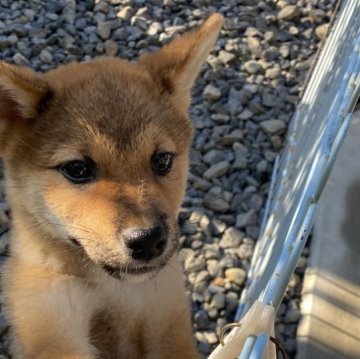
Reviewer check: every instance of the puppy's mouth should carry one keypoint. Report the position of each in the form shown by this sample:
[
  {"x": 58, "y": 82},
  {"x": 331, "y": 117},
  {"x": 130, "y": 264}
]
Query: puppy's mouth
[
  {"x": 130, "y": 271},
  {"x": 122, "y": 272}
]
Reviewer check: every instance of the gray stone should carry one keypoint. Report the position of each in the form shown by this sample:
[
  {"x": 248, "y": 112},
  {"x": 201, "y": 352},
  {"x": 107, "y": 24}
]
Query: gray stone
[
  {"x": 143, "y": 12},
  {"x": 142, "y": 44},
  {"x": 211, "y": 337},
  {"x": 189, "y": 228},
  {"x": 101, "y": 7},
  {"x": 321, "y": 31},
  {"x": 211, "y": 251},
  {"x": 111, "y": 47},
  {"x": 273, "y": 72},
  {"x": 214, "y": 289},
  {"x": 172, "y": 30},
  {"x": 201, "y": 184},
  {"x": 213, "y": 267},
  {"x": 196, "y": 216},
  {"x": 202, "y": 277},
  {"x": 218, "y": 301},
  {"x": 69, "y": 12},
  {"x": 256, "y": 201},
  {"x": 284, "y": 50},
  {"x": 245, "y": 114},
  {"x": 240, "y": 162},
  {"x": 271, "y": 54},
  {"x": 211, "y": 93},
  {"x": 253, "y": 31},
  {"x": 252, "y": 231},
  {"x": 293, "y": 30},
  {"x": 227, "y": 261},
  {"x": 201, "y": 319},
  {"x": 217, "y": 170},
  {"x": 104, "y": 29},
  {"x": 196, "y": 244},
  {"x": 218, "y": 227},
  {"x": 232, "y": 301},
  {"x": 245, "y": 251},
  {"x": 231, "y": 238},
  {"x": 270, "y": 36},
  {"x": 288, "y": 12},
  {"x": 246, "y": 219},
  {"x": 139, "y": 22},
  {"x": 251, "y": 88},
  {"x": 235, "y": 275},
  {"x": 120, "y": 34},
  {"x": 155, "y": 28},
  {"x": 235, "y": 101},
  {"x": 194, "y": 264},
  {"x": 30, "y": 14},
  {"x": 215, "y": 203},
  {"x": 317, "y": 15},
  {"x": 226, "y": 57},
  {"x": 205, "y": 224},
  {"x": 126, "y": 13},
  {"x": 272, "y": 126},
  {"x": 12, "y": 39},
  {"x": 20, "y": 59},
  {"x": 220, "y": 118},
  {"x": 213, "y": 156},
  {"x": 228, "y": 140},
  {"x": 46, "y": 56},
  {"x": 52, "y": 17},
  {"x": 80, "y": 23},
  {"x": 203, "y": 347},
  {"x": 253, "y": 67},
  {"x": 261, "y": 166},
  {"x": 271, "y": 100},
  {"x": 255, "y": 107}
]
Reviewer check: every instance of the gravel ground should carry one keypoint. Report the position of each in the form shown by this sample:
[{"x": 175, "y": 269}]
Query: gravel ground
[{"x": 242, "y": 104}]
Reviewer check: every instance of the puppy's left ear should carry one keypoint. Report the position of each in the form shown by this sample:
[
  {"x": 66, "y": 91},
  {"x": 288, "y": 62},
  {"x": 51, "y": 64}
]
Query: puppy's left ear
[{"x": 175, "y": 67}]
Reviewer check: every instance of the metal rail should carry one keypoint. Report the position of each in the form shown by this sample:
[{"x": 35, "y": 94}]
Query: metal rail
[{"x": 317, "y": 131}]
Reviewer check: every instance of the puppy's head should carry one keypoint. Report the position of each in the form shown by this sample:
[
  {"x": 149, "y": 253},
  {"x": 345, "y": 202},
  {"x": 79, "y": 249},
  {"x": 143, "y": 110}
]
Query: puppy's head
[{"x": 96, "y": 153}]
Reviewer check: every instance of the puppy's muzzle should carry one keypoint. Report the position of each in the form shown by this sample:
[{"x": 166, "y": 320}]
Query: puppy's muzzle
[{"x": 145, "y": 244}]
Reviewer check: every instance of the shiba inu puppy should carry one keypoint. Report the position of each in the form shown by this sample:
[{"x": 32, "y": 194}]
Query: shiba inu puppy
[{"x": 96, "y": 160}]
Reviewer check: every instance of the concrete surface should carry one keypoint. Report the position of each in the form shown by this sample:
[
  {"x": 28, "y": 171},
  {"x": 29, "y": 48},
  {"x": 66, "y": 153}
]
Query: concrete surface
[{"x": 330, "y": 326}]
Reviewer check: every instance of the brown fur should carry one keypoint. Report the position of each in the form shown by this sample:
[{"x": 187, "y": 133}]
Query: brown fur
[{"x": 61, "y": 303}]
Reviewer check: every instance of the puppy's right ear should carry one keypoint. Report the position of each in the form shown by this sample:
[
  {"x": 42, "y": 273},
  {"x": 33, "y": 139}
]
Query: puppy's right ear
[{"x": 22, "y": 95}]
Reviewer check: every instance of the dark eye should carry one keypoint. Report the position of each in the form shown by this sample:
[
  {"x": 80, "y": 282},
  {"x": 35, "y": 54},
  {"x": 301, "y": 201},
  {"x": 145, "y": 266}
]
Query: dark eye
[
  {"x": 78, "y": 171},
  {"x": 161, "y": 163}
]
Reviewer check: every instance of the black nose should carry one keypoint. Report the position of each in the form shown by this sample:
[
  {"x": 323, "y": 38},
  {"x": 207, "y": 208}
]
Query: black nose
[{"x": 145, "y": 244}]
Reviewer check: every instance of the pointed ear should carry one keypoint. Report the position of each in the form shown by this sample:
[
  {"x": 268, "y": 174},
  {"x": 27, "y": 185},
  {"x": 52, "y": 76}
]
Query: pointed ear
[
  {"x": 22, "y": 94},
  {"x": 176, "y": 66}
]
